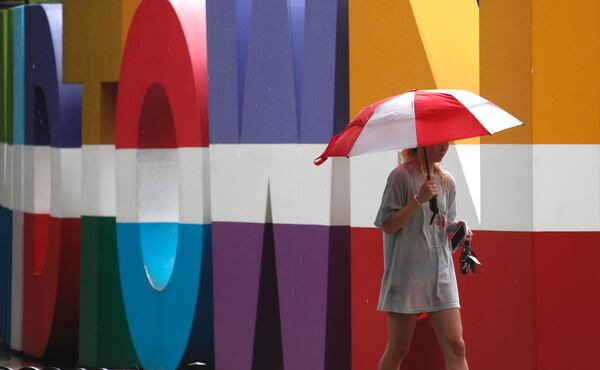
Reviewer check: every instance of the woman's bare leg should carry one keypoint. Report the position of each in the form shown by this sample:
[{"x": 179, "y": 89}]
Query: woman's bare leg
[
  {"x": 400, "y": 331},
  {"x": 447, "y": 326}
]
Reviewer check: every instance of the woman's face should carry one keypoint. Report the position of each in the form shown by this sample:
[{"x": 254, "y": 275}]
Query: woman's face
[{"x": 435, "y": 153}]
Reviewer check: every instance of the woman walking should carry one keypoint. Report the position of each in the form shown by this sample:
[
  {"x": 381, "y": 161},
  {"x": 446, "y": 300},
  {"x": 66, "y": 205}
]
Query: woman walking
[{"x": 418, "y": 269}]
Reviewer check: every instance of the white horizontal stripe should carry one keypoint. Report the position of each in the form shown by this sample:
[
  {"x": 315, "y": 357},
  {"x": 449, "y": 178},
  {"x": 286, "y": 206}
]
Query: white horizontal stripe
[
  {"x": 16, "y": 320},
  {"x": 3, "y": 176},
  {"x": 157, "y": 185},
  {"x": 194, "y": 185},
  {"x": 163, "y": 185},
  {"x": 300, "y": 192},
  {"x": 37, "y": 171},
  {"x": 46, "y": 180},
  {"x": 66, "y": 182},
  {"x": 392, "y": 126},
  {"x": 566, "y": 187},
  {"x": 506, "y": 187},
  {"x": 6, "y": 175},
  {"x": 485, "y": 203},
  {"x": 98, "y": 182},
  {"x": 492, "y": 117},
  {"x": 18, "y": 177},
  {"x": 126, "y": 188},
  {"x": 368, "y": 176},
  {"x": 522, "y": 187}
]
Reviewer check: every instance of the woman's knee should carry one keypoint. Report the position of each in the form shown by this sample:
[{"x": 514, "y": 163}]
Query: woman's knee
[
  {"x": 456, "y": 347},
  {"x": 399, "y": 350}
]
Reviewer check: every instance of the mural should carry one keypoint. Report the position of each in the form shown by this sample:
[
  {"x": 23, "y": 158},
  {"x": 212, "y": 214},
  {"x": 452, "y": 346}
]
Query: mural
[{"x": 159, "y": 205}]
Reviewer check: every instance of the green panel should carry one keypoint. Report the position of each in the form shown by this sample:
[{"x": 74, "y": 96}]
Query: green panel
[
  {"x": 3, "y": 29},
  {"x": 104, "y": 339}
]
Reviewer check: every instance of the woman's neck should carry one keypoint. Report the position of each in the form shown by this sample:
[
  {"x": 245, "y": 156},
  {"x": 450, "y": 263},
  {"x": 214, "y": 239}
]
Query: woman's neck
[{"x": 417, "y": 165}]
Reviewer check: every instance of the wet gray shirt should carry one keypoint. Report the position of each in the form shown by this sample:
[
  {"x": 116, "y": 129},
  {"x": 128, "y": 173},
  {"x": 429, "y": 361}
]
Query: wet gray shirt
[{"x": 418, "y": 269}]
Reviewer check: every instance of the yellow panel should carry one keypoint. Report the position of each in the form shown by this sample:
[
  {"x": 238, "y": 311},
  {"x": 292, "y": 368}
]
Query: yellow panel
[
  {"x": 94, "y": 34},
  {"x": 450, "y": 33},
  {"x": 566, "y": 66},
  {"x": 127, "y": 11},
  {"x": 388, "y": 55},
  {"x": 505, "y": 63}
]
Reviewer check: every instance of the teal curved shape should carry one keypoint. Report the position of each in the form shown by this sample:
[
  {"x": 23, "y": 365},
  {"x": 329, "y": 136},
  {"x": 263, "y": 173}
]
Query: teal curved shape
[
  {"x": 161, "y": 321},
  {"x": 158, "y": 241}
]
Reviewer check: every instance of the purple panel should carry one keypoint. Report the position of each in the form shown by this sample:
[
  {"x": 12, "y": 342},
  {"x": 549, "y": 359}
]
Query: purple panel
[
  {"x": 237, "y": 250},
  {"x": 278, "y": 70},
  {"x": 313, "y": 280},
  {"x": 307, "y": 268}
]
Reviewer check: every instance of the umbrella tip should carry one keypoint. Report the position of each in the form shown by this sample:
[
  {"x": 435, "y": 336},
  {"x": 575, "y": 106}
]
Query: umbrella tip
[{"x": 319, "y": 160}]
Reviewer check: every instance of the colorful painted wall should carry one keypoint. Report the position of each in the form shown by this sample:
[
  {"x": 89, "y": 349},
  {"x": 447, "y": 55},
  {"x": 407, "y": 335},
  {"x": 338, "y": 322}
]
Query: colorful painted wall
[{"x": 159, "y": 205}]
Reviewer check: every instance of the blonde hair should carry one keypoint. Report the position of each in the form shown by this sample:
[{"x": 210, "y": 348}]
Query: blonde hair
[{"x": 409, "y": 155}]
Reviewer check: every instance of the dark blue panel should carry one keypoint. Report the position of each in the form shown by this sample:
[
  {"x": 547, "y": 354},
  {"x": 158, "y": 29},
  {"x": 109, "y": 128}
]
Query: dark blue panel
[
  {"x": 52, "y": 109},
  {"x": 278, "y": 70},
  {"x": 5, "y": 273},
  {"x": 201, "y": 346}
]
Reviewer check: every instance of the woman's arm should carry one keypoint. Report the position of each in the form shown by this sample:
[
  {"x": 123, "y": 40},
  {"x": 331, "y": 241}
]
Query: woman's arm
[{"x": 401, "y": 217}]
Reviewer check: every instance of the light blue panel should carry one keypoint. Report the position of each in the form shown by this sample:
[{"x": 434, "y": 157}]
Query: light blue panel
[
  {"x": 161, "y": 321},
  {"x": 159, "y": 245},
  {"x": 18, "y": 15}
]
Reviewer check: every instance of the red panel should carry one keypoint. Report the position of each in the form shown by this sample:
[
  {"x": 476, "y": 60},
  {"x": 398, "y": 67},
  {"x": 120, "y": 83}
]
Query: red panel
[
  {"x": 567, "y": 278},
  {"x": 369, "y": 333},
  {"x": 425, "y": 353},
  {"x": 497, "y": 304},
  {"x": 51, "y": 295},
  {"x": 158, "y": 52},
  {"x": 440, "y": 117}
]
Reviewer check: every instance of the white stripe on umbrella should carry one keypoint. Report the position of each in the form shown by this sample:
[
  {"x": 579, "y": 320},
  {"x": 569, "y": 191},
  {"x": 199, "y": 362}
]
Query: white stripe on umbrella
[
  {"x": 392, "y": 119},
  {"x": 491, "y": 117},
  {"x": 418, "y": 118}
]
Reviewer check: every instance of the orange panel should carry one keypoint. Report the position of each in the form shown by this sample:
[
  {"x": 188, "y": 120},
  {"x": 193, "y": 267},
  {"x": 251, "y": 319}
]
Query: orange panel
[
  {"x": 94, "y": 32},
  {"x": 505, "y": 63},
  {"x": 566, "y": 72}
]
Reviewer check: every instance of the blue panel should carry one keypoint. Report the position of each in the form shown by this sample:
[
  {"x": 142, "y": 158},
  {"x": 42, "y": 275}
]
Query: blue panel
[
  {"x": 278, "y": 70},
  {"x": 18, "y": 15},
  {"x": 325, "y": 89},
  {"x": 269, "y": 112},
  {"x": 5, "y": 273},
  {"x": 60, "y": 124},
  {"x": 160, "y": 322}
]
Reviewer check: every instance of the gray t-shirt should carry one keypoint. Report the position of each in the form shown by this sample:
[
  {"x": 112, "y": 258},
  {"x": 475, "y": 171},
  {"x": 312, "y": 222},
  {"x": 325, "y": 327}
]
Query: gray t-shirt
[{"x": 419, "y": 272}]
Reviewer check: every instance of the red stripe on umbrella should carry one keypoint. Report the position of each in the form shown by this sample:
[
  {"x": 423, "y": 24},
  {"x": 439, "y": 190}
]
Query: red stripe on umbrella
[
  {"x": 439, "y": 117},
  {"x": 348, "y": 136}
]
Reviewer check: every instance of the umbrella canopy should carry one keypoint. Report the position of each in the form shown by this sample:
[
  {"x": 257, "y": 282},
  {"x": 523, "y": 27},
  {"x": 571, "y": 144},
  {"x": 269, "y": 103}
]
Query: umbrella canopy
[{"x": 416, "y": 119}]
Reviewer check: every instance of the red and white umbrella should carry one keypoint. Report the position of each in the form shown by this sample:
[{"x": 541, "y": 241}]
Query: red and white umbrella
[{"x": 416, "y": 119}]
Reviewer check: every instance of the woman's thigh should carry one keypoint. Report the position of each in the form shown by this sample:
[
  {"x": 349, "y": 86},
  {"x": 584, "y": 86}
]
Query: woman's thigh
[
  {"x": 400, "y": 328},
  {"x": 447, "y": 325}
]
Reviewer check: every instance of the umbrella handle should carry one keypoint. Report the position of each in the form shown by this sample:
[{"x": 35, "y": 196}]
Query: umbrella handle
[{"x": 433, "y": 206}]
